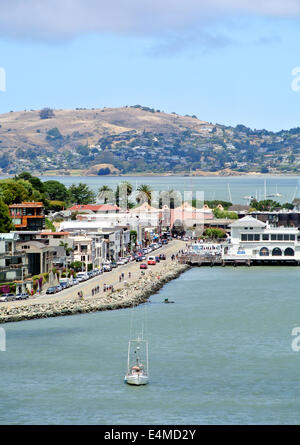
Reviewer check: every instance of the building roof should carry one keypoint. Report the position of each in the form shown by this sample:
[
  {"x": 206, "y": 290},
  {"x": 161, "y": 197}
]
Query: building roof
[
  {"x": 248, "y": 221},
  {"x": 94, "y": 207},
  {"x": 54, "y": 233},
  {"x": 8, "y": 236},
  {"x": 26, "y": 204}
]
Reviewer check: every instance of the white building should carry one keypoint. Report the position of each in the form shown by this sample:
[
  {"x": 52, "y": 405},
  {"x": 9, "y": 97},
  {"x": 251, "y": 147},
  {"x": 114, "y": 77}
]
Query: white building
[{"x": 255, "y": 240}]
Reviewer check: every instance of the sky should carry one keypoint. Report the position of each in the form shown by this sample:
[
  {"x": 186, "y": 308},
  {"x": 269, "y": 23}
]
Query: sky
[{"x": 226, "y": 61}]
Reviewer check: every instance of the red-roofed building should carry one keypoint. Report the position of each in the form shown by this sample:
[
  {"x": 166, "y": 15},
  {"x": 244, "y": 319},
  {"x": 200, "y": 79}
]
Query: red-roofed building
[{"x": 95, "y": 208}]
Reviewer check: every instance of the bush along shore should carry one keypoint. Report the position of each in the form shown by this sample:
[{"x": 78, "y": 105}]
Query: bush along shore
[{"x": 133, "y": 294}]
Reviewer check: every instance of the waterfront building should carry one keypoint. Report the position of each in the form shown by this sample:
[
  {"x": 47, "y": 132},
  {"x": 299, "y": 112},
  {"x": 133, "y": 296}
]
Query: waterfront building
[{"x": 253, "y": 239}]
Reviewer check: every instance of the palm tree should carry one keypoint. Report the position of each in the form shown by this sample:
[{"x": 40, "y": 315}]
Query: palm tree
[
  {"x": 144, "y": 193},
  {"x": 122, "y": 189},
  {"x": 104, "y": 193}
]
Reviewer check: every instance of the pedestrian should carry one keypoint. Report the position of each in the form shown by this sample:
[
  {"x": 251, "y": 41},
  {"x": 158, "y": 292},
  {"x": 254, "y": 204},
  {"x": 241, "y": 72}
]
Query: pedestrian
[
  {"x": 93, "y": 291},
  {"x": 122, "y": 275},
  {"x": 104, "y": 287},
  {"x": 120, "y": 279},
  {"x": 129, "y": 275}
]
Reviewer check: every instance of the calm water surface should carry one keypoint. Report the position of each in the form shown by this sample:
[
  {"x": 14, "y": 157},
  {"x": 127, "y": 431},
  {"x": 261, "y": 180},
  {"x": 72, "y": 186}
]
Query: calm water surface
[
  {"x": 221, "y": 354},
  {"x": 232, "y": 189}
]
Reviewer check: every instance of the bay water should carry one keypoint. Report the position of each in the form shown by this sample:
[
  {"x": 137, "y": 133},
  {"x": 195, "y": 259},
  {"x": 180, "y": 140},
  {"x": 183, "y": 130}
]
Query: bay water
[
  {"x": 235, "y": 189},
  {"x": 221, "y": 354}
]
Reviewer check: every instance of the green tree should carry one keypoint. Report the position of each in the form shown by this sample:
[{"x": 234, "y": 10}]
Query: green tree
[
  {"x": 36, "y": 183},
  {"x": 56, "y": 191},
  {"x": 123, "y": 191},
  {"x": 12, "y": 192},
  {"x": 214, "y": 233},
  {"x": 81, "y": 194},
  {"x": 144, "y": 194},
  {"x": 105, "y": 193},
  {"x": 49, "y": 225},
  {"x": 6, "y": 224}
]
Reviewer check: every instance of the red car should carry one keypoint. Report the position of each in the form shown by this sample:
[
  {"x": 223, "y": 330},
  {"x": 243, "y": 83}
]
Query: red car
[{"x": 143, "y": 266}]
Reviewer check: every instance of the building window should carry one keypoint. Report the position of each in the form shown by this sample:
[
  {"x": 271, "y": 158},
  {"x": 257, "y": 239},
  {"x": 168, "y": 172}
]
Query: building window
[
  {"x": 256, "y": 237},
  {"x": 264, "y": 251},
  {"x": 276, "y": 252},
  {"x": 243, "y": 237},
  {"x": 286, "y": 237},
  {"x": 265, "y": 237},
  {"x": 280, "y": 237},
  {"x": 292, "y": 237},
  {"x": 273, "y": 238},
  {"x": 289, "y": 252}
]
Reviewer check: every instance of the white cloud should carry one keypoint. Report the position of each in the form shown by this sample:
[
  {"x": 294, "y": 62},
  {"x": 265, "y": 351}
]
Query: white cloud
[{"x": 56, "y": 19}]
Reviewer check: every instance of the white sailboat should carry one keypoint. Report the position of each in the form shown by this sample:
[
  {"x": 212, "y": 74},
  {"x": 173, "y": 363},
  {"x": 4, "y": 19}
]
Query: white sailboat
[
  {"x": 275, "y": 195},
  {"x": 137, "y": 360},
  {"x": 137, "y": 371}
]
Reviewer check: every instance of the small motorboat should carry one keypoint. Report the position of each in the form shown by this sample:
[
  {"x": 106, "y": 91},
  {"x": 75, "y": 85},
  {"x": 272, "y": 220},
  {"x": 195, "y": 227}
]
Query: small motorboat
[{"x": 166, "y": 300}]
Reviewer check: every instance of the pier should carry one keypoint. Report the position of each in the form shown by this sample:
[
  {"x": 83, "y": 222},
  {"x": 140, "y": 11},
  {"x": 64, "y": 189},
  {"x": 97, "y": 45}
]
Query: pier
[{"x": 193, "y": 259}]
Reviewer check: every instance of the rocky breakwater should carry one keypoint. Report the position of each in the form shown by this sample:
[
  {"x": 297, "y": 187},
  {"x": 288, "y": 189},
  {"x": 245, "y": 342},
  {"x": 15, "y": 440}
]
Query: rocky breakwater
[{"x": 134, "y": 293}]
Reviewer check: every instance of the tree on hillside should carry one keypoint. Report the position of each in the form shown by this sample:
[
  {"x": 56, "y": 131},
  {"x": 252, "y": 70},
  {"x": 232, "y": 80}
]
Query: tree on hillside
[
  {"x": 103, "y": 171},
  {"x": 46, "y": 113},
  {"x": 6, "y": 224},
  {"x": 81, "y": 194}
]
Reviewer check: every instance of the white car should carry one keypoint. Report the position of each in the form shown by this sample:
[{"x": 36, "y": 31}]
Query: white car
[{"x": 82, "y": 276}]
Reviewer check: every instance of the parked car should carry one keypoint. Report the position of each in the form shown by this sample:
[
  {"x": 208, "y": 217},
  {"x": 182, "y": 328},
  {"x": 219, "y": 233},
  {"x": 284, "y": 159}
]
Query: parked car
[
  {"x": 157, "y": 259},
  {"x": 165, "y": 241},
  {"x": 121, "y": 262},
  {"x": 114, "y": 265},
  {"x": 74, "y": 282},
  {"x": 58, "y": 288},
  {"x": 22, "y": 296},
  {"x": 138, "y": 258},
  {"x": 64, "y": 285},
  {"x": 143, "y": 266},
  {"x": 51, "y": 290},
  {"x": 151, "y": 260},
  {"x": 7, "y": 297},
  {"x": 106, "y": 267},
  {"x": 82, "y": 276}
]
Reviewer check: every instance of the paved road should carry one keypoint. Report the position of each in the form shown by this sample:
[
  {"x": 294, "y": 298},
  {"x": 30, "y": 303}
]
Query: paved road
[{"x": 109, "y": 278}]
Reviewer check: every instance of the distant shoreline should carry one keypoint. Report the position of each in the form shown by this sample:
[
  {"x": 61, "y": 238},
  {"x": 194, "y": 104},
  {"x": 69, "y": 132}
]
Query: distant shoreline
[{"x": 218, "y": 174}]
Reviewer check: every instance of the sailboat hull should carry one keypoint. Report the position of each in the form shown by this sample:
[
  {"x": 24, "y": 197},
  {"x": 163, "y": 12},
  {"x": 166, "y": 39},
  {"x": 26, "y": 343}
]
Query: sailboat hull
[{"x": 136, "y": 379}]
